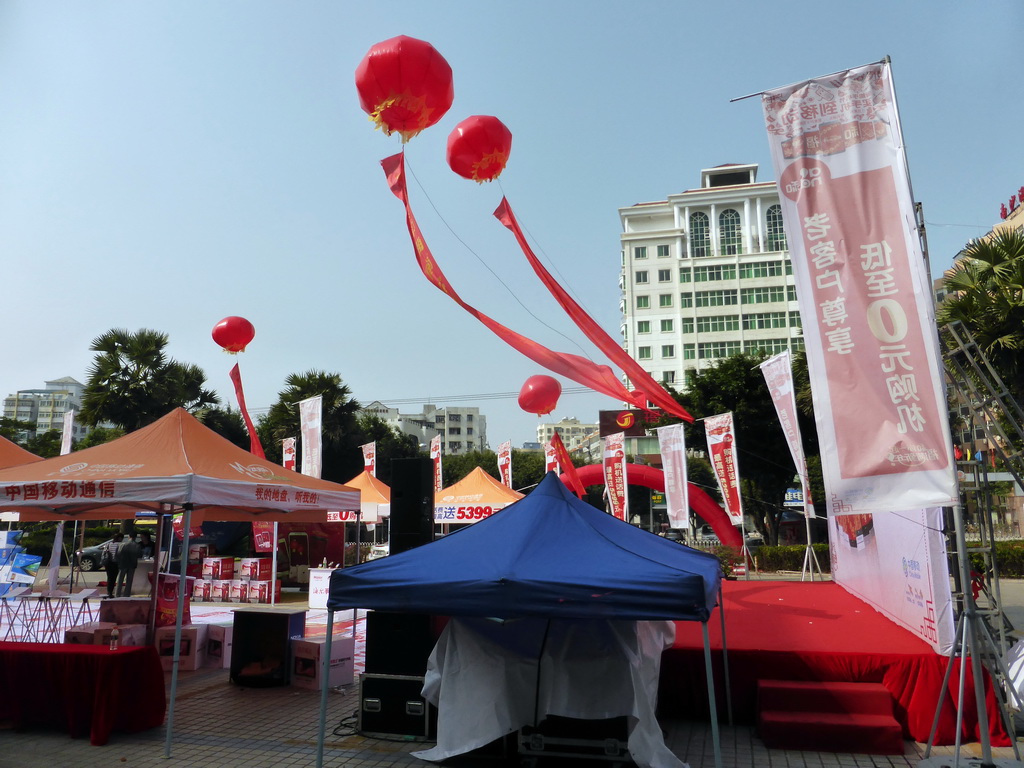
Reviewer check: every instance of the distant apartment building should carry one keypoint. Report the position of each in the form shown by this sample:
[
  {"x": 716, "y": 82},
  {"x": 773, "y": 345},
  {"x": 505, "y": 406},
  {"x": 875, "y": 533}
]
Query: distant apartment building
[
  {"x": 45, "y": 408},
  {"x": 462, "y": 430},
  {"x": 706, "y": 274},
  {"x": 573, "y": 432}
]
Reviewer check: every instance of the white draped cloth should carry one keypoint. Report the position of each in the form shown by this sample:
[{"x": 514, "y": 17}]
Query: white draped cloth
[{"x": 489, "y": 678}]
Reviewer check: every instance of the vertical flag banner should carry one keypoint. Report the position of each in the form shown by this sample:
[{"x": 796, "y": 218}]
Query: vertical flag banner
[
  {"x": 566, "y": 465},
  {"x": 505, "y": 463},
  {"x": 288, "y": 453},
  {"x": 550, "y": 458},
  {"x": 370, "y": 457},
  {"x": 778, "y": 375},
  {"x": 672, "y": 441},
  {"x": 615, "y": 474},
  {"x": 67, "y": 429},
  {"x": 255, "y": 447},
  {"x": 310, "y": 419},
  {"x": 864, "y": 292},
  {"x": 53, "y": 568},
  {"x": 722, "y": 450},
  {"x": 435, "y": 456}
]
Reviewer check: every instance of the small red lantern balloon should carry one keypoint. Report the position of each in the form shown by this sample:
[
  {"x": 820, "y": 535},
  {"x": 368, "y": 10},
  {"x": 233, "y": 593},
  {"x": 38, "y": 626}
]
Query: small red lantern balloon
[
  {"x": 479, "y": 147},
  {"x": 234, "y": 334},
  {"x": 404, "y": 85},
  {"x": 540, "y": 395}
]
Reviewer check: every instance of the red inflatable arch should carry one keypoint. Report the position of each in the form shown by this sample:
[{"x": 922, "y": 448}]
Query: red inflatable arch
[{"x": 653, "y": 478}]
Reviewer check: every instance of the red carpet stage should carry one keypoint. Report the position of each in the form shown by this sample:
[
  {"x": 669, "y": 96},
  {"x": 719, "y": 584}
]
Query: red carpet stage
[{"x": 779, "y": 630}]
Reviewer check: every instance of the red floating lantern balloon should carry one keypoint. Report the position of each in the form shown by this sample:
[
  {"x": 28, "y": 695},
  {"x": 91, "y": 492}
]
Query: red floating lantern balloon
[
  {"x": 479, "y": 147},
  {"x": 234, "y": 334},
  {"x": 404, "y": 85},
  {"x": 540, "y": 395}
]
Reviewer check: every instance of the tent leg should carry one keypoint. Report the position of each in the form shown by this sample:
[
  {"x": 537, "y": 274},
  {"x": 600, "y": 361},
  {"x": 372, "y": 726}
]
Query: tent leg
[
  {"x": 182, "y": 585},
  {"x": 325, "y": 671},
  {"x": 712, "y": 706}
]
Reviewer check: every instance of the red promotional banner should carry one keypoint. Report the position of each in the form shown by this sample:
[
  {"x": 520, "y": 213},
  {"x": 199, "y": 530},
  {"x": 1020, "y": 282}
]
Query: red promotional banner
[
  {"x": 568, "y": 468},
  {"x": 778, "y": 375},
  {"x": 864, "y": 292},
  {"x": 255, "y": 447},
  {"x": 435, "y": 456},
  {"x": 599, "y": 378},
  {"x": 550, "y": 459},
  {"x": 263, "y": 536},
  {"x": 615, "y": 475},
  {"x": 288, "y": 453},
  {"x": 370, "y": 457},
  {"x": 505, "y": 463},
  {"x": 722, "y": 450}
]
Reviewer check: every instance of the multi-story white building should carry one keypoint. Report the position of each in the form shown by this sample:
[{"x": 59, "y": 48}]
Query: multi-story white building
[
  {"x": 462, "y": 430},
  {"x": 706, "y": 274},
  {"x": 45, "y": 408},
  {"x": 574, "y": 434}
]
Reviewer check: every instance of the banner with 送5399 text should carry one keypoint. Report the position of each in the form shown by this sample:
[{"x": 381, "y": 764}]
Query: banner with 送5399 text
[{"x": 864, "y": 292}]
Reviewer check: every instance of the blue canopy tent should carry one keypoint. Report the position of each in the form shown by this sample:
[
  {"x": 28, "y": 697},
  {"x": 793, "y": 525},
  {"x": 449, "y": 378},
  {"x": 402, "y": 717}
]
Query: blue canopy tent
[{"x": 548, "y": 555}]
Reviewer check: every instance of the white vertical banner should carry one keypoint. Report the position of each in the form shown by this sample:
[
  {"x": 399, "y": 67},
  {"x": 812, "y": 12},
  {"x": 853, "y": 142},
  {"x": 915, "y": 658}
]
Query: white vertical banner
[
  {"x": 288, "y": 453},
  {"x": 615, "y": 474},
  {"x": 550, "y": 458},
  {"x": 864, "y": 292},
  {"x": 67, "y": 430},
  {"x": 722, "y": 451},
  {"x": 435, "y": 456},
  {"x": 778, "y": 375},
  {"x": 505, "y": 463},
  {"x": 53, "y": 570},
  {"x": 672, "y": 441},
  {"x": 310, "y": 422},
  {"x": 370, "y": 457}
]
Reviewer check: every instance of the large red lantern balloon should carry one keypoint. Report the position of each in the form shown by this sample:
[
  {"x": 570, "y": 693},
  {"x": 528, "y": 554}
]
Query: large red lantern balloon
[
  {"x": 234, "y": 334},
  {"x": 479, "y": 147},
  {"x": 540, "y": 395},
  {"x": 404, "y": 85}
]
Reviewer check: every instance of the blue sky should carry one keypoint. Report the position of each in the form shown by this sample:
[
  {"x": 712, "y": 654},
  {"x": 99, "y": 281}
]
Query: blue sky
[{"x": 166, "y": 164}]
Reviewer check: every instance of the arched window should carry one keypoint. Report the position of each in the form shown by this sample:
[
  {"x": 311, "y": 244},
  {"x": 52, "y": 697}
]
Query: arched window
[
  {"x": 775, "y": 231},
  {"x": 700, "y": 235},
  {"x": 729, "y": 232}
]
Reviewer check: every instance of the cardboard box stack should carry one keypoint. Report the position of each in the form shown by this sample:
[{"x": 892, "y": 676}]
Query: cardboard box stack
[
  {"x": 218, "y": 568},
  {"x": 307, "y": 660},
  {"x": 193, "y": 646},
  {"x": 219, "y": 639},
  {"x": 98, "y": 633},
  {"x": 255, "y": 568},
  {"x": 259, "y": 591}
]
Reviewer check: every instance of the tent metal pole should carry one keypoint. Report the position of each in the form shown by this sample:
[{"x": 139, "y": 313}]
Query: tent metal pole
[
  {"x": 325, "y": 671},
  {"x": 725, "y": 655},
  {"x": 186, "y": 521},
  {"x": 712, "y": 705},
  {"x": 273, "y": 568}
]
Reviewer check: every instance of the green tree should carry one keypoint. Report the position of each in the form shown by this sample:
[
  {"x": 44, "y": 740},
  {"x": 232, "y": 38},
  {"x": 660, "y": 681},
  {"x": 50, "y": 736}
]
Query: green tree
[
  {"x": 340, "y": 435},
  {"x": 98, "y": 436},
  {"x": 45, "y": 444},
  {"x": 133, "y": 383},
  {"x": 527, "y": 467},
  {"x": 226, "y": 423},
  {"x": 12, "y": 428},
  {"x": 986, "y": 294}
]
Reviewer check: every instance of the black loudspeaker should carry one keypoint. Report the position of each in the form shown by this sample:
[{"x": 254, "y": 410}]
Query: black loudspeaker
[
  {"x": 398, "y": 643},
  {"x": 412, "y": 503}
]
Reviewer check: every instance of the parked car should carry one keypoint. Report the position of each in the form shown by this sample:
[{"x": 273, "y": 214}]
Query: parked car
[
  {"x": 378, "y": 551},
  {"x": 89, "y": 557}
]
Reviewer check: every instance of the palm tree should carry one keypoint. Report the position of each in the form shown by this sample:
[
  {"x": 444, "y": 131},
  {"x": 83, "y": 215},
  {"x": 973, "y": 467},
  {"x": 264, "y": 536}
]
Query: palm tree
[
  {"x": 986, "y": 294},
  {"x": 132, "y": 382}
]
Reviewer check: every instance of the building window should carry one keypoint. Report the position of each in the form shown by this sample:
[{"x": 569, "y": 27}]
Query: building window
[
  {"x": 643, "y": 302},
  {"x": 439, "y": 419},
  {"x": 714, "y": 350},
  {"x": 664, "y": 252},
  {"x": 668, "y": 377},
  {"x": 643, "y": 326},
  {"x": 794, "y": 320},
  {"x": 729, "y": 235},
  {"x": 710, "y": 274},
  {"x": 454, "y": 430},
  {"x": 685, "y": 300},
  {"x": 796, "y": 343},
  {"x": 774, "y": 229},
  {"x": 664, "y": 275},
  {"x": 668, "y": 350},
  {"x": 666, "y": 326},
  {"x": 684, "y": 274},
  {"x": 469, "y": 430},
  {"x": 763, "y": 320},
  {"x": 718, "y": 323},
  {"x": 689, "y": 351},
  {"x": 640, "y": 252},
  {"x": 768, "y": 295},
  {"x": 762, "y": 269},
  {"x": 689, "y": 376},
  {"x": 790, "y": 293},
  {"x": 700, "y": 235},
  {"x": 665, "y": 300},
  {"x": 640, "y": 276},
  {"x": 767, "y": 346},
  {"x": 724, "y": 298},
  {"x": 687, "y": 325},
  {"x": 643, "y": 353}
]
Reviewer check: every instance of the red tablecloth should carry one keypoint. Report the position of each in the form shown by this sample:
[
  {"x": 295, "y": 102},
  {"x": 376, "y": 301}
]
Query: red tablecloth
[{"x": 87, "y": 689}]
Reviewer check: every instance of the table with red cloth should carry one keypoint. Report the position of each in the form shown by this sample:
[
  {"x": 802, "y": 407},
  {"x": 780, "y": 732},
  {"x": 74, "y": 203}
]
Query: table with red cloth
[{"x": 87, "y": 689}]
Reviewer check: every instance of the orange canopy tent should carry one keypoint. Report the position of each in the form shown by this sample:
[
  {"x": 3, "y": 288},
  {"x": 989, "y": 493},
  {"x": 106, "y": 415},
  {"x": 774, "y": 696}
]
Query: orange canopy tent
[
  {"x": 173, "y": 462},
  {"x": 12, "y": 454},
  {"x": 374, "y": 497},
  {"x": 474, "y": 497}
]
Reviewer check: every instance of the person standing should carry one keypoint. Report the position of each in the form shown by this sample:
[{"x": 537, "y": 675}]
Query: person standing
[
  {"x": 109, "y": 561},
  {"x": 127, "y": 560},
  {"x": 146, "y": 545}
]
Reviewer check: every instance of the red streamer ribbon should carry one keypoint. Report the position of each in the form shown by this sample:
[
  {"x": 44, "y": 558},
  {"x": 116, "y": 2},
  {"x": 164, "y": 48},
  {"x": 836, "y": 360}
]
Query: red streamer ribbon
[{"x": 255, "y": 447}]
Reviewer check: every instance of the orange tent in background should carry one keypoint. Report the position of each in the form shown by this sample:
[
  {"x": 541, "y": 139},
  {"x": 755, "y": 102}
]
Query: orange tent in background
[
  {"x": 13, "y": 455},
  {"x": 374, "y": 497},
  {"x": 173, "y": 462},
  {"x": 474, "y": 497}
]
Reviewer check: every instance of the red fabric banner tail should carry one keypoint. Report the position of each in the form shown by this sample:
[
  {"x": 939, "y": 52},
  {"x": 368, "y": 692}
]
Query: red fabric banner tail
[
  {"x": 255, "y": 447},
  {"x": 568, "y": 468}
]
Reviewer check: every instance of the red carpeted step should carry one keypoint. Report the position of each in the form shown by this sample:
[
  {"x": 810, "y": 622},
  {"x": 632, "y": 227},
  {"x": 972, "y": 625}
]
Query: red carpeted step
[{"x": 828, "y": 717}]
